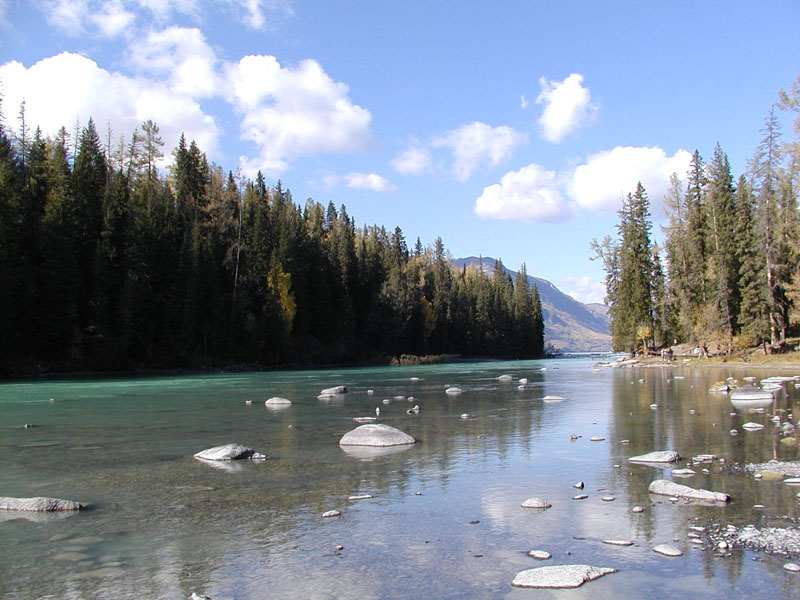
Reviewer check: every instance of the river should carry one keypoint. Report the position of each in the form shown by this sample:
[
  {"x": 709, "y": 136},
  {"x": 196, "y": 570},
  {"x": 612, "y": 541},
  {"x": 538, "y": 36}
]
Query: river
[{"x": 444, "y": 519}]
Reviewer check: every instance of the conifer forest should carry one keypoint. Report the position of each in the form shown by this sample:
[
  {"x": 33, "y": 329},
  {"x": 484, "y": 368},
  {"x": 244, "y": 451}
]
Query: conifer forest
[
  {"x": 727, "y": 275},
  {"x": 110, "y": 261}
]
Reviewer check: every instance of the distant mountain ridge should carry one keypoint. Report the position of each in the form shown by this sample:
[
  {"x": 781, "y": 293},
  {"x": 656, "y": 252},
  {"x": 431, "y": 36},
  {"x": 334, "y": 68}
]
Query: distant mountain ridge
[{"x": 568, "y": 324}]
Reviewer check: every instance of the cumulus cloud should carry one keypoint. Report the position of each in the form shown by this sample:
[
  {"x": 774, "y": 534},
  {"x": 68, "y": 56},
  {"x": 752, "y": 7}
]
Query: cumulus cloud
[
  {"x": 567, "y": 105},
  {"x": 415, "y": 160},
  {"x": 63, "y": 89},
  {"x": 530, "y": 194},
  {"x": 112, "y": 19},
  {"x": 600, "y": 183},
  {"x": 254, "y": 13},
  {"x": 478, "y": 143},
  {"x": 583, "y": 289},
  {"x": 289, "y": 112},
  {"x": 179, "y": 55},
  {"x": 596, "y": 186}
]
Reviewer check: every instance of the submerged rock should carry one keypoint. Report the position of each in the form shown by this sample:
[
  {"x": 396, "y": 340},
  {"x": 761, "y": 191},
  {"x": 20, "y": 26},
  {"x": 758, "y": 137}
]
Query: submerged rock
[
  {"x": 505, "y": 378},
  {"x": 229, "y": 452},
  {"x": 662, "y": 487},
  {"x": 39, "y": 504},
  {"x": 376, "y": 435},
  {"x": 559, "y": 576},
  {"x": 453, "y": 391},
  {"x": 276, "y": 401},
  {"x": 553, "y": 399},
  {"x": 660, "y": 456}
]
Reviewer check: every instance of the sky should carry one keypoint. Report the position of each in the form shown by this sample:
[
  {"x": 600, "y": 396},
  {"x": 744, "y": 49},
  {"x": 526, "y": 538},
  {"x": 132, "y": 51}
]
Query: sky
[{"x": 509, "y": 129}]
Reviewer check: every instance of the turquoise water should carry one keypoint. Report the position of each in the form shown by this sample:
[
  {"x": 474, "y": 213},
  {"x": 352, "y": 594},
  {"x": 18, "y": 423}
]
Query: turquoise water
[{"x": 445, "y": 519}]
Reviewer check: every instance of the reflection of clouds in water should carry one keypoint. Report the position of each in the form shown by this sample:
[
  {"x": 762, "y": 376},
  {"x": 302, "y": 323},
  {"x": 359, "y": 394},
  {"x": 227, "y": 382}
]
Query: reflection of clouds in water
[
  {"x": 36, "y": 517},
  {"x": 229, "y": 466}
]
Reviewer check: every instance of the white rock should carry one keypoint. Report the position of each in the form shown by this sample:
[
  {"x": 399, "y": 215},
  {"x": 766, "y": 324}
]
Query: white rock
[
  {"x": 667, "y": 550},
  {"x": 39, "y": 504},
  {"x": 505, "y": 378},
  {"x": 596, "y": 438},
  {"x": 752, "y": 426},
  {"x": 661, "y": 456},
  {"x": 580, "y": 497},
  {"x": 333, "y": 391},
  {"x": 360, "y": 497},
  {"x": 276, "y": 401},
  {"x": 331, "y": 513},
  {"x": 453, "y": 391},
  {"x": 229, "y": 452},
  {"x": 795, "y": 568},
  {"x": 792, "y": 481},
  {"x": 376, "y": 434},
  {"x": 540, "y": 554},
  {"x": 683, "y": 472},
  {"x": 465, "y": 415},
  {"x": 618, "y": 542},
  {"x": 415, "y": 379},
  {"x": 559, "y": 576},
  {"x": 553, "y": 399},
  {"x": 523, "y": 381},
  {"x": 536, "y": 503},
  {"x": 637, "y": 509},
  {"x": 663, "y": 487},
  {"x": 608, "y": 498}
]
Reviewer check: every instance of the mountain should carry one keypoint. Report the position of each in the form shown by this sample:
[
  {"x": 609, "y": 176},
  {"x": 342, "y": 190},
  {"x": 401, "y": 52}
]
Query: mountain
[{"x": 568, "y": 324}]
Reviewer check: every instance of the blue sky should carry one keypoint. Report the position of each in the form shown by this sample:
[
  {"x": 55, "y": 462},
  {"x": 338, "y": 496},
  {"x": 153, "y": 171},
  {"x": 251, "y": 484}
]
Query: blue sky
[{"x": 510, "y": 129}]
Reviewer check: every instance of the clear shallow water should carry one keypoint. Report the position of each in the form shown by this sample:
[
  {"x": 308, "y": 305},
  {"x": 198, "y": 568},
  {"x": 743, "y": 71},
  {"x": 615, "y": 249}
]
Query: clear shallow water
[{"x": 163, "y": 524}]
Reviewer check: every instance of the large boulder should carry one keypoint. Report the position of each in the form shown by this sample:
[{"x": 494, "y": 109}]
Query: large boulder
[
  {"x": 376, "y": 434},
  {"x": 660, "y": 456},
  {"x": 559, "y": 576},
  {"x": 229, "y": 452},
  {"x": 39, "y": 504},
  {"x": 662, "y": 487}
]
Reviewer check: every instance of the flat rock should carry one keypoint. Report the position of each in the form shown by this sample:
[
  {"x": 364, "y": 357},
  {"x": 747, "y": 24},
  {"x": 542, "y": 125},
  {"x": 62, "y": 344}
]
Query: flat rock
[
  {"x": 376, "y": 434},
  {"x": 453, "y": 391},
  {"x": 794, "y": 567},
  {"x": 536, "y": 503},
  {"x": 553, "y": 399},
  {"x": 559, "y": 576},
  {"x": 667, "y": 550},
  {"x": 618, "y": 542},
  {"x": 662, "y": 487},
  {"x": 752, "y": 426},
  {"x": 540, "y": 555},
  {"x": 596, "y": 438},
  {"x": 331, "y": 513},
  {"x": 505, "y": 378},
  {"x": 683, "y": 472},
  {"x": 333, "y": 391},
  {"x": 229, "y": 452},
  {"x": 660, "y": 456},
  {"x": 39, "y": 504}
]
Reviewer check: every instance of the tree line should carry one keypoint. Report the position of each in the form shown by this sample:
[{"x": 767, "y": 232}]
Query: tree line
[
  {"x": 727, "y": 275},
  {"x": 107, "y": 264}
]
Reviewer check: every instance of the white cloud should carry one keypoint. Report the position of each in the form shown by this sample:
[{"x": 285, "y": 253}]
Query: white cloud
[
  {"x": 358, "y": 181},
  {"x": 113, "y": 19},
  {"x": 523, "y": 102},
  {"x": 255, "y": 11},
  {"x": 415, "y": 160},
  {"x": 478, "y": 143},
  {"x": 182, "y": 56},
  {"x": 63, "y": 89},
  {"x": 530, "y": 194},
  {"x": 600, "y": 183},
  {"x": 289, "y": 112},
  {"x": 567, "y": 106},
  {"x": 583, "y": 289},
  {"x": 368, "y": 181}
]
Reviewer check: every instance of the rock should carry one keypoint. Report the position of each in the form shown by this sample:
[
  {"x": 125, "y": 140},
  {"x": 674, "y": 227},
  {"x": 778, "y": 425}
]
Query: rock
[
  {"x": 792, "y": 481},
  {"x": 505, "y": 378},
  {"x": 275, "y": 401},
  {"x": 331, "y": 513},
  {"x": 719, "y": 386},
  {"x": 596, "y": 438},
  {"x": 794, "y": 567},
  {"x": 578, "y": 485},
  {"x": 580, "y": 497},
  {"x": 376, "y": 435},
  {"x": 453, "y": 391},
  {"x": 360, "y": 497},
  {"x": 618, "y": 542},
  {"x": 608, "y": 498},
  {"x": 660, "y": 456},
  {"x": 559, "y": 576},
  {"x": 333, "y": 391},
  {"x": 39, "y": 504},
  {"x": 229, "y": 452},
  {"x": 196, "y": 596},
  {"x": 553, "y": 399},
  {"x": 683, "y": 472},
  {"x": 536, "y": 503},
  {"x": 540, "y": 555},
  {"x": 667, "y": 550},
  {"x": 523, "y": 381},
  {"x": 663, "y": 487},
  {"x": 750, "y": 426},
  {"x": 637, "y": 509},
  {"x": 465, "y": 415}
]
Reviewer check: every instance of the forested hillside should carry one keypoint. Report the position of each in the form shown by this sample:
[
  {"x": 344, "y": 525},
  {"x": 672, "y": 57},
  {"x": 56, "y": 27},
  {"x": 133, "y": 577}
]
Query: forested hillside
[
  {"x": 728, "y": 274},
  {"x": 106, "y": 263}
]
